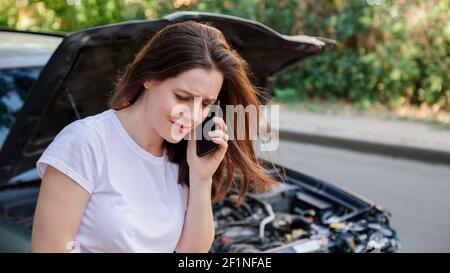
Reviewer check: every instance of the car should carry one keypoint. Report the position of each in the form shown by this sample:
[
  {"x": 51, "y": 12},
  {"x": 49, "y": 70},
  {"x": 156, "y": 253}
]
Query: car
[{"x": 48, "y": 80}]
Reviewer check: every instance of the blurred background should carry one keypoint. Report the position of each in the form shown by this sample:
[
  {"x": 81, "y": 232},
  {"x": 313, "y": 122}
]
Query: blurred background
[
  {"x": 390, "y": 54},
  {"x": 371, "y": 115}
]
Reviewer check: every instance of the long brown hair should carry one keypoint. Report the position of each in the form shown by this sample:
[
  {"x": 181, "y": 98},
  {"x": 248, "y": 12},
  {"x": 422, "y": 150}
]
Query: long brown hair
[{"x": 182, "y": 46}]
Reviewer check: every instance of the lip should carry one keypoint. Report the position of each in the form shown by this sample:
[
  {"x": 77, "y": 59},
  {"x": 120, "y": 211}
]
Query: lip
[{"x": 180, "y": 125}]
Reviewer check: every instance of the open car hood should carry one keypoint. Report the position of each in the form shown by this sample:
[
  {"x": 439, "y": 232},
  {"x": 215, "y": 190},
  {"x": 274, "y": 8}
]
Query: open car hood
[{"x": 78, "y": 78}]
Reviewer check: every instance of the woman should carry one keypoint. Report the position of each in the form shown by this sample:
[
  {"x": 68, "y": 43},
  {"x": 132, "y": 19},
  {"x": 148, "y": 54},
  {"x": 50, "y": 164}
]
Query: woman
[{"x": 126, "y": 179}]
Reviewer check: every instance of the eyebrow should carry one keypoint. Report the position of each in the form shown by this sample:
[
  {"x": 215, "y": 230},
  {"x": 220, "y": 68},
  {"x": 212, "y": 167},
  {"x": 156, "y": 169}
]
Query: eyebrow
[{"x": 210, "y": 100}]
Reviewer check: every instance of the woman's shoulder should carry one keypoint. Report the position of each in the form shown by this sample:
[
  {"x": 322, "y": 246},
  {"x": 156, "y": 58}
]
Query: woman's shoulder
[
  {"x": 90, "y": 127},
  {"x": 77, "y": 151}
]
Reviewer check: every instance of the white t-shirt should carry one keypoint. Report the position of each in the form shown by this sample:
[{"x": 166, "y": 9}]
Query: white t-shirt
[{"x": 136, "y": 204}]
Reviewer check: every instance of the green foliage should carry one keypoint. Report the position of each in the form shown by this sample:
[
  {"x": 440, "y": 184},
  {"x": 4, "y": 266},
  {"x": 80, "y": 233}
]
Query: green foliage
[
  {"x": 288, "y": 95},
  {"x": 393, "y": 52}
]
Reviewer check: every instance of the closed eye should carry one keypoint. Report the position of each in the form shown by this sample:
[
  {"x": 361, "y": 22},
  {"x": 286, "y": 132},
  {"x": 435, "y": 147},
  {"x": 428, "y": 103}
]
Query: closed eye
[
  {"x": 180, "y": 97},
  {"x": 187, "y": 98}
]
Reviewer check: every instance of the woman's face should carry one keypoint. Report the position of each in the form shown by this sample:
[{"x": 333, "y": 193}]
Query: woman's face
[{"x": 177, "y": 105}]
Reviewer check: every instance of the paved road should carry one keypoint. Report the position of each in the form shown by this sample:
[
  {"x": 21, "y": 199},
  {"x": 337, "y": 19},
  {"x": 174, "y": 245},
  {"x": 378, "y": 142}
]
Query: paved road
[{"x": 417, "y": 193}]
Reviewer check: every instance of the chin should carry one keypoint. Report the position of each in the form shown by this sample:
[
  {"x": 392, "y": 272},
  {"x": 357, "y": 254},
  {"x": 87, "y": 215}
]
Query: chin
[{"x": 174, "y": 139}]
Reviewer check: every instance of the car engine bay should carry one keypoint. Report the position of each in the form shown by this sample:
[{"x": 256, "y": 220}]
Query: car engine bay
[{"x": 304, "y": 215}]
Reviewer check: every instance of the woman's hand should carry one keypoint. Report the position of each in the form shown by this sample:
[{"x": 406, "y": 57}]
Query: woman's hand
[{"x": 203, "y": 168}]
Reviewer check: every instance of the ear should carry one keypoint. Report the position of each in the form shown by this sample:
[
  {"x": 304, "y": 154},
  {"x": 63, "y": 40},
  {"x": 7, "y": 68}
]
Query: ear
[{"x": 149, "y": 84}]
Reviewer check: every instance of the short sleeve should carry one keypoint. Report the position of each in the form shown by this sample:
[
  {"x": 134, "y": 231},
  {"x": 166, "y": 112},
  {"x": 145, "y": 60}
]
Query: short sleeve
[{"x": 75, "y": 152}]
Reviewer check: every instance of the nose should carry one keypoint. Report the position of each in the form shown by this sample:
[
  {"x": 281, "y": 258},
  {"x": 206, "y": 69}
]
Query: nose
[
  {"x": 191, "y": 114},
  {"x": 184, "y": 117}
]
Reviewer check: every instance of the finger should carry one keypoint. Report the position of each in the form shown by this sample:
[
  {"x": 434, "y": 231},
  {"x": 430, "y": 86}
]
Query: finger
[
  {"x": 223, "y": 145},
  {"x": 221, "y": 123},
  {"x": 218, "y": 133}
]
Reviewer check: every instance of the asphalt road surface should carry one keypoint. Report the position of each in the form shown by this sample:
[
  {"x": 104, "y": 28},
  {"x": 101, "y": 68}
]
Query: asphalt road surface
[{"x": 416, "y": 193}]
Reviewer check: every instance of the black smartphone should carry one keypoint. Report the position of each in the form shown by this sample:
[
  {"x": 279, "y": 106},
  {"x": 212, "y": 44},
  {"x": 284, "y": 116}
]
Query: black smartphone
[{"x": 205, "y": 146}]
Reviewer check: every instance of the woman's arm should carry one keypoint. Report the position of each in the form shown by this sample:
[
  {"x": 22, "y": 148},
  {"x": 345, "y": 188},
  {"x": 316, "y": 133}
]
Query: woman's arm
[
  {"x": 59, "y": 210},
  {"x": 198, "y": 231}
]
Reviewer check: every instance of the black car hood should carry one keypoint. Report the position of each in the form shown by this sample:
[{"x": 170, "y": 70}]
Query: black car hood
[{"x": 78, "y": 78}]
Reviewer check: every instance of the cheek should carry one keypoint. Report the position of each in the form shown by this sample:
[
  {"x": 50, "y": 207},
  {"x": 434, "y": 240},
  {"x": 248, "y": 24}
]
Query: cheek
[
  {"x": 171, "y": 110},
  {"x": 202, "y": 116},
  {"x": 198, "y": 121},
  {"x": 159, "y": 112}
]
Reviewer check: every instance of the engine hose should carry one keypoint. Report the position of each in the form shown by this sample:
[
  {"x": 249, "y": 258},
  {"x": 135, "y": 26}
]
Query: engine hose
[{"x": 266, "y": 220}]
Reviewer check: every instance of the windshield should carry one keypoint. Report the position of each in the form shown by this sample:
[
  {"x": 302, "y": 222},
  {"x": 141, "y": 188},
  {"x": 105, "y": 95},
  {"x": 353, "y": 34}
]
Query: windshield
[
  {"x": 22, "y": 57},
  {"x": 14, "y": 86}
]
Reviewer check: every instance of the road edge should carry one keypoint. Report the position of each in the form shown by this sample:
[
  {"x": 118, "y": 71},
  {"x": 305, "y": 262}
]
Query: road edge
[{"x": 398, "y": 151}]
